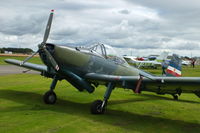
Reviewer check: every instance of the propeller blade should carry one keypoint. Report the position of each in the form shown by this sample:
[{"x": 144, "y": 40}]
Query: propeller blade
[
  {"x": 42, "y": 45},
  {"x": 28, "y": 58},
  {"x": 51, "y": 59},
  {"x": 48, "y": 27}
]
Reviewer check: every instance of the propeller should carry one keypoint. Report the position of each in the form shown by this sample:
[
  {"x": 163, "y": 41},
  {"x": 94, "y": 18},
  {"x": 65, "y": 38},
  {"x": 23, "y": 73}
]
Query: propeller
[
  {"x": 42, "y": 46},
  {"x": 51, "y": 59},
  {"x": 28, "y": 58},
  {"x": 48, "y": 27}
]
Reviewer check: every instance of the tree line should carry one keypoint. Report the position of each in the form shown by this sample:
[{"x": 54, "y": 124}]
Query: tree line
[{"x": 17, "y": 50}]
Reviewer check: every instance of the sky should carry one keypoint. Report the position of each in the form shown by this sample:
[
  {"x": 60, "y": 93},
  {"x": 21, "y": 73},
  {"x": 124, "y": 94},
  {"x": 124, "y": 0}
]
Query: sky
[{"x": 137, "y": 27}]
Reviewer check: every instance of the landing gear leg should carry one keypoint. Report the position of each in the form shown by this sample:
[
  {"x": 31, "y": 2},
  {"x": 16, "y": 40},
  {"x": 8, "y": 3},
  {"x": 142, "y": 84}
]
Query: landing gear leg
[
  {"x": 98, "y": 106},
  {"x": 175, "y": 96},
  {"x": 50, "y": 96},
  {"x": 138, "y": 87}
]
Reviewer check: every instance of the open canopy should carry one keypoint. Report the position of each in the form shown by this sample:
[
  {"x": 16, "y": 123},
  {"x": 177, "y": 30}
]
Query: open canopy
[{"x": 107, "y": 52}]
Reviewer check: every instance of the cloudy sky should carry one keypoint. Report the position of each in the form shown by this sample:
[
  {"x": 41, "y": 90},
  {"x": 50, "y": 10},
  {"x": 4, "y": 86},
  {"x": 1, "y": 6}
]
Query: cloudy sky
[{"x": 140, "y": 27}]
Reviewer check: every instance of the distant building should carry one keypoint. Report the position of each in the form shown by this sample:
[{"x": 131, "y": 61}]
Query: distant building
[{"x": 7, "y": 52}]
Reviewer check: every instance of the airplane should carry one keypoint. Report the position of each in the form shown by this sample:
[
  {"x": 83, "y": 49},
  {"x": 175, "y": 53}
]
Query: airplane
[
  {"x": 186, "y": 62},
  {"x": 87, "y": 67},
  {"x": 147, "y": 63}
]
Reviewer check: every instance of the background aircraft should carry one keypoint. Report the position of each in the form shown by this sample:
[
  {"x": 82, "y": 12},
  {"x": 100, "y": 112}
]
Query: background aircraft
[
  {"x": 147, "y": 63},
  {"x": 186, "y": 62},
  {"x": 86, "y": 68}
]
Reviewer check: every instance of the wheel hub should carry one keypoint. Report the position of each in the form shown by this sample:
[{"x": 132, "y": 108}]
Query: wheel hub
[{"x": 51, "y": 98}]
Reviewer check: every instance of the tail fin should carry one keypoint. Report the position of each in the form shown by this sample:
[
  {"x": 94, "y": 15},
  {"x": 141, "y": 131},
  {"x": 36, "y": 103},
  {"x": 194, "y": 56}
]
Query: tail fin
[
  {"x": 174, "y": 67},
  {"x": 162, "y": 56}
]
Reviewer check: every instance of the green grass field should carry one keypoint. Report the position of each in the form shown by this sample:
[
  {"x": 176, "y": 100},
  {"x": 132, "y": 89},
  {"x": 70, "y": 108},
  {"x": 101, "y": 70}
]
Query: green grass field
[{"x": 22, "y": 109}]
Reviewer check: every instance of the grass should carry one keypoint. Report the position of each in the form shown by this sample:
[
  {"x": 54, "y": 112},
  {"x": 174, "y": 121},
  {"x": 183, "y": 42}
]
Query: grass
[{"x": 22, "y": 109}]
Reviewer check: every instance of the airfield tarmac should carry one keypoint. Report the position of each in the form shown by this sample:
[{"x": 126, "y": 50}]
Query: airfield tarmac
[{"x": 11, "y": 69}]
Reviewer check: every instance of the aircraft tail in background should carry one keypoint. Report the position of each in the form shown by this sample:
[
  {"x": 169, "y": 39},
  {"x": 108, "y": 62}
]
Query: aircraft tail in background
[
  {"x": 162, "y": 56},
  {"x": 174, "y": 67}
]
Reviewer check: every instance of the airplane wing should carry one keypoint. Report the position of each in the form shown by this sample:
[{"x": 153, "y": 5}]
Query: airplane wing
[
  {"x": 32, "y": 66},
  {"x": 186, "y": 84},
  {"x": 157, "y": 79},
  {"x": 110, "y": 78}
]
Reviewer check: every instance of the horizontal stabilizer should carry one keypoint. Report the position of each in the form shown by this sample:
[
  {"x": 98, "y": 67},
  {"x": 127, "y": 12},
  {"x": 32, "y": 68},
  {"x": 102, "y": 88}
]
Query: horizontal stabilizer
[{"x": 163, "y": 56}]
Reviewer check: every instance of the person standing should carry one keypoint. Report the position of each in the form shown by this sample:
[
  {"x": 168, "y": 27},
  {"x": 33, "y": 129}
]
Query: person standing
[
  {"x": 164, "y": 67},
  {"x": 193, "y": 63}
]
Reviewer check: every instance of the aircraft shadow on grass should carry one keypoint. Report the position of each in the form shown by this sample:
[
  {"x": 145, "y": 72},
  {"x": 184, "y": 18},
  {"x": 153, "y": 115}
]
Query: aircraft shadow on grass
[
  {"x": 114, "y": 102},
  {"x": 129, "y": 121},
  {"x": 168, "y": 98}
]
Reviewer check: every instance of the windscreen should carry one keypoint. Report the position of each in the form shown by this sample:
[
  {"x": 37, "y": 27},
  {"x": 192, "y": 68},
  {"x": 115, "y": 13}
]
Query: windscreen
[{"x": 108, "y": 52}]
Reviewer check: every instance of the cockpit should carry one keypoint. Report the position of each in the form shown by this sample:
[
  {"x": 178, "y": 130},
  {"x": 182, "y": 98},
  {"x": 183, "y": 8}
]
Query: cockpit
[{"x": 106, "y": 52}]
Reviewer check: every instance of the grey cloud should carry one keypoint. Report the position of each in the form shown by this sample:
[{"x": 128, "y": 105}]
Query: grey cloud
[
  {"x": 124, "y": 11},
  {"x": 20, "y": 25},
  {"x": 64, "y": 33},
  {"x": 165, "y": 39},
  {"x": 177, "y": 12},
  {"x": 137, "y": 24},
  {"x": 169, "y": 5},
  {"x": 184, "y": 46},
  {"x": 70, "y": 5}
]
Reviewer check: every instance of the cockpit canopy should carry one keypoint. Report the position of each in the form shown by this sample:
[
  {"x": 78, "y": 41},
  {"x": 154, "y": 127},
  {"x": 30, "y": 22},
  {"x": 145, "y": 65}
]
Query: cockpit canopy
[{"x": 107, "y": 52}]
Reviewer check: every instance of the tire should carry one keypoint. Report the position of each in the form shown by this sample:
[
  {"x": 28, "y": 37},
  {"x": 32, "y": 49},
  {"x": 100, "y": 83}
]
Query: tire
[
  {"x": 175, "y": 97},
  {"x": 96, "y": 107},
  {"x": 50, "y": 97}
]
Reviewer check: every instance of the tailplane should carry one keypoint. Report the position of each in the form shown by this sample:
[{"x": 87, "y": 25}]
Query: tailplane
[
  {"x": 174, "y": 67},
  {"x": 162, "y": 56}
]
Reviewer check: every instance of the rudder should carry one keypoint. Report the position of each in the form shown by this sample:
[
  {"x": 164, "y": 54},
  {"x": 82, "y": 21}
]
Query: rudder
[{"x": 174, "y": 67}]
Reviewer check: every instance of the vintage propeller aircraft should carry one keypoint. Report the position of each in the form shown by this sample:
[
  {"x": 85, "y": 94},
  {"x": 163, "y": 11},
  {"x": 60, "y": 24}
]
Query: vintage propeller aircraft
[
  {"x": 86, "y": 68},
  {"x": 147, "y": 63}
]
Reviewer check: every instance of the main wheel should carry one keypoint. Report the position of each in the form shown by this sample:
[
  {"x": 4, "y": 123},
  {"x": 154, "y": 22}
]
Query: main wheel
[
  {"x": 175, "y": 97},
  {"x": 96, "y": 107},
  {"x": 50, "y": 97}
]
